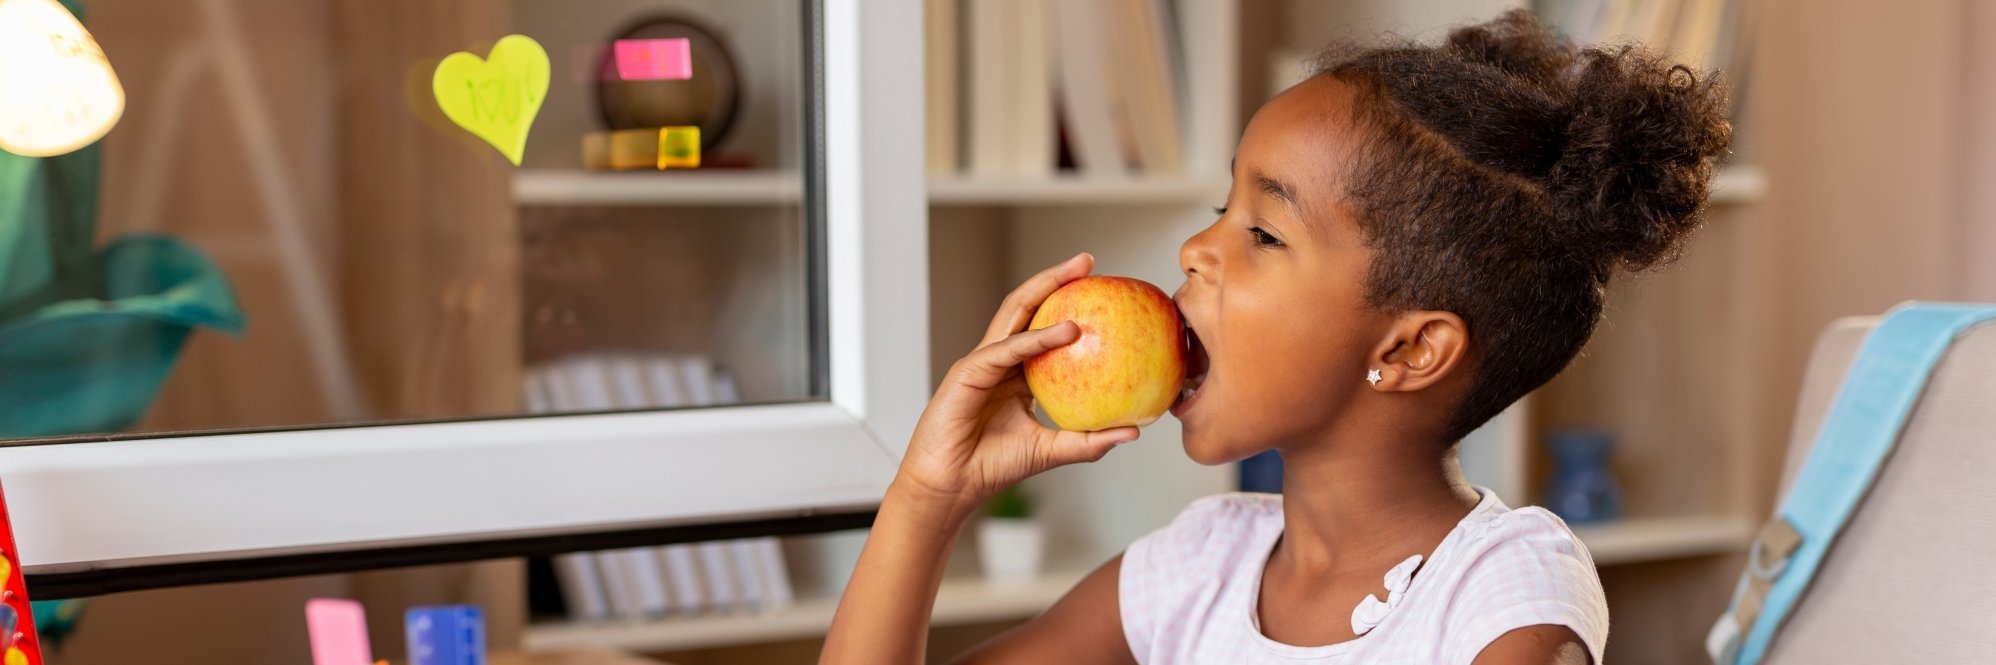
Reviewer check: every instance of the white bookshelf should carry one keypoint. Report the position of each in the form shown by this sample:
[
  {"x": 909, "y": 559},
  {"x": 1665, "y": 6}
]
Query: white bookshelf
[
  {"x": 959, "y": 601},
  {"x": 1072, "y": 190},
  {"x": 962, "y": 601},
  {"x": 561, "y": 187},
  {"x": 1642, "y": 539},
  {"x": 719, "y": 187}
]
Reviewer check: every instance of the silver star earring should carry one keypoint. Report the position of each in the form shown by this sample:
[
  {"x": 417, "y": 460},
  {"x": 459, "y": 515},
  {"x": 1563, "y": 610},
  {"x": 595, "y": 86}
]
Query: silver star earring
[{"x": 1372, "y": 377}]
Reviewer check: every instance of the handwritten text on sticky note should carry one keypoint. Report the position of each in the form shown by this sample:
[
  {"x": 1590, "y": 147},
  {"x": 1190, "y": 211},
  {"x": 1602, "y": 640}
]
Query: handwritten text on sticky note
[{"x": 495, "y": 98}]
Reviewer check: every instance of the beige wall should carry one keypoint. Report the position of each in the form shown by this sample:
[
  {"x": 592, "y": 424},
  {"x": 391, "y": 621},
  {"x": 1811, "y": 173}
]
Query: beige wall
[
  {"x": 1872, "y": 121},
  {"x": 1863, "y": 126},
  {"x": 1978, "y": 145}
]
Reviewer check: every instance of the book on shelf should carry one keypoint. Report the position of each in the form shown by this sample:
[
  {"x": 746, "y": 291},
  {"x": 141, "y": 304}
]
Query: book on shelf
[
  {"x": 1696, "y": 40},
  {"x": 988, "y": 82},
  {"x": 684, "y": 575},
  {"x": 650, "y": 582},
  {"x": 1706, "y": 35},
  {"x": 1654, "y": 21},
  {"x": 577, "y": 574},
  {"x": 1146, "y": 48},
  {"x": 1102, "y": 81},
  {"x": 1032, "y": 109},
  {"x": 942, "y": 72},
  {"x": 1703, "y": 34},
  {"x": 1009, "y": 111},
  {"x": 718, "y": 572},
  {"x": 1087, "y": 91}
]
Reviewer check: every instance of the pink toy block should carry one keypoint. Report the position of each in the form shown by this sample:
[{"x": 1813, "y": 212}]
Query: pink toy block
[{"x": 654, "y": 59}]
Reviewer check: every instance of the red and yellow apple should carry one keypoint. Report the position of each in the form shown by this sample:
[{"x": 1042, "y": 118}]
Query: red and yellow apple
[{"x": 1127, "y": 366}]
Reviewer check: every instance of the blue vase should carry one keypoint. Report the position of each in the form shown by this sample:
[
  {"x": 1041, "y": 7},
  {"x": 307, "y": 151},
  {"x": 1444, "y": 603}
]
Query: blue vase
[
  {"x": 1582, "y": 489},
  {"x": 1262, "y": 473}
]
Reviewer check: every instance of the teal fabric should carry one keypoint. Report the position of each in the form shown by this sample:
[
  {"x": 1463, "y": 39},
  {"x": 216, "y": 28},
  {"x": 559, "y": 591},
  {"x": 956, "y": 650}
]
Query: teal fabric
[
  {"x": 56, "y": 619},
  {"x": 93, "y": 364},
  {"x": 1863, "y": 426}
]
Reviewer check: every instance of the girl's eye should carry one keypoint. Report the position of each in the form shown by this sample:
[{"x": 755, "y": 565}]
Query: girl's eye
[{"x": 1264, "y": 238}]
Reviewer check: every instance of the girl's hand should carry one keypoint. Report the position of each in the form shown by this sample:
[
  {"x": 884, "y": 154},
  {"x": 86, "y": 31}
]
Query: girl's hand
[{"x": 978, "y": 434}]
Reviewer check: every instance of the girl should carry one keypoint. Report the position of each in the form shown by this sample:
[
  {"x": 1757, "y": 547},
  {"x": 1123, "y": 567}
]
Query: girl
[{"x": 1416, "y": 236}]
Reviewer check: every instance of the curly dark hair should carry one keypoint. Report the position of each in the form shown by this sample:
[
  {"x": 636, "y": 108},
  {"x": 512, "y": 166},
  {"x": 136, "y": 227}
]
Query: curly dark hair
[{"x": 1509, "y": 173}]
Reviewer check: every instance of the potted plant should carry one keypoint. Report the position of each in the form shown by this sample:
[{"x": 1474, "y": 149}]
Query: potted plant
[{"x": 1010, "y": 543}]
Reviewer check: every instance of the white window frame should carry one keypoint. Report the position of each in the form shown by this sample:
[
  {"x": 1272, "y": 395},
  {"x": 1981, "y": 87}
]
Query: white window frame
[{"x": 95, "y": 505}]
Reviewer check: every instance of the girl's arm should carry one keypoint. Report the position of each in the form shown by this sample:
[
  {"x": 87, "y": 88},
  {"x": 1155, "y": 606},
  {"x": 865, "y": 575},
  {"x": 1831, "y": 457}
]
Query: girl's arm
[
  {"x": 1535, "y": 645},
  {"x": 977, "y": 436},
  {"x": 1086, "y": 626},
  {"x": 902, "y": 564}
]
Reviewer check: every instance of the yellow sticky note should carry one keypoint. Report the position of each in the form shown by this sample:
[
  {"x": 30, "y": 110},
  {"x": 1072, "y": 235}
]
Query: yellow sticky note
[{"x": 495, "y": 98}]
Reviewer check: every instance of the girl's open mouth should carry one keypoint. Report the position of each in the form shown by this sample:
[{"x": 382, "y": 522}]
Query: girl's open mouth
[{"x": 1196, "y": 365}]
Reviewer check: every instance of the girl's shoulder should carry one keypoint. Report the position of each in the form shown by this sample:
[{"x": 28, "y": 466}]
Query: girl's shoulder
[
  {"x": 1528, "y": 536},
  {"x": 1506, "y": 569}
]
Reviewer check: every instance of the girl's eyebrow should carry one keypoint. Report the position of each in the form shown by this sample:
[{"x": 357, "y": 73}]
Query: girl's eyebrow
[{"x": 1281, "y": 191}]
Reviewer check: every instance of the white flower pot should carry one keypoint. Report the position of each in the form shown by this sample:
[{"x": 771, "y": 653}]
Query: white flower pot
[{"x": 1010, "y": 548}]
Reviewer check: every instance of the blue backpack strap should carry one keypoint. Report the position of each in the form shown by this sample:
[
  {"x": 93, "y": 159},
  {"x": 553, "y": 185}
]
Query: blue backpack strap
[{"x": 1863, "y": 426}]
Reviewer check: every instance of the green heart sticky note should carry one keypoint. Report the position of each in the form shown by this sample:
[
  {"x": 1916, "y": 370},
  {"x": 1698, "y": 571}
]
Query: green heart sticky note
[{"x": 497, "y": 97}]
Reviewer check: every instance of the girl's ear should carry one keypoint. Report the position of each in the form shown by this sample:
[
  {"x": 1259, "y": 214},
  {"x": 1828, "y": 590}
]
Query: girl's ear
[{"x": 1420, "y": 350}]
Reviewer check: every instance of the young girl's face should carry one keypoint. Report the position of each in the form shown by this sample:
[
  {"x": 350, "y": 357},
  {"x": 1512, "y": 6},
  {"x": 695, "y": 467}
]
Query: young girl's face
[{"x": 1275, "y": 289}]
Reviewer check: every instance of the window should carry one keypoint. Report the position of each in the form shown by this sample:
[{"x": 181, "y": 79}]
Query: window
[{"x": 341, "y": 278}]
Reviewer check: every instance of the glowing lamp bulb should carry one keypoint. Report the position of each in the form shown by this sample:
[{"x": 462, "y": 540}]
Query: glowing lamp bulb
[{"x": 57, "y": 92}]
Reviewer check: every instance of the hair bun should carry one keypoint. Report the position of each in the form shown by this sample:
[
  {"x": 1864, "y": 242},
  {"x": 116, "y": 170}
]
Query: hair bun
[{"x": 1630, "y": 181}]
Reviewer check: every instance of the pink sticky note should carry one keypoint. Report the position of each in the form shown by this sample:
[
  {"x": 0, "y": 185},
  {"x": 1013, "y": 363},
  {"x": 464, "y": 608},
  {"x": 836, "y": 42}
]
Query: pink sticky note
[
  {"x": 338, "y": 629},
  {"x": 654, "y": 59}
]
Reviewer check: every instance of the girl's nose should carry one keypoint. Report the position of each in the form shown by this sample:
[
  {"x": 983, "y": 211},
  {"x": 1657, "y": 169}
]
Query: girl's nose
[{"x": 1196, "y": 257}]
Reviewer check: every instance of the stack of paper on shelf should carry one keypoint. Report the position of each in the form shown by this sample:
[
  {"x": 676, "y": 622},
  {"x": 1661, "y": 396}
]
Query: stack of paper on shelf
[{"x": 649, "y": 582}]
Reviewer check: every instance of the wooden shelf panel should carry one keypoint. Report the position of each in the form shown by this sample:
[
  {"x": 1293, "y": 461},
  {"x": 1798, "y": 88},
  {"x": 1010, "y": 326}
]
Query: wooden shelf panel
[
  {"x": 958, "y": 601},
  {"x": 1640, "y": 539}
]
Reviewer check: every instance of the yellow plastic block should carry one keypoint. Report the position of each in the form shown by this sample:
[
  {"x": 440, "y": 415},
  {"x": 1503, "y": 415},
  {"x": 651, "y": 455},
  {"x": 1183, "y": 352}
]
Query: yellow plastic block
[{"x": 679, "y": 148}]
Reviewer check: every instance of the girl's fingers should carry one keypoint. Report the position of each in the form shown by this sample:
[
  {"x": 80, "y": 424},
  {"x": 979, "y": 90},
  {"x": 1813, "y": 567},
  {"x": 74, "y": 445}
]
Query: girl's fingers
[
  {"x": 1062, "y": 447},
  {"x": 986, "y": 367},
  {"x": 1017, "y": 310}
]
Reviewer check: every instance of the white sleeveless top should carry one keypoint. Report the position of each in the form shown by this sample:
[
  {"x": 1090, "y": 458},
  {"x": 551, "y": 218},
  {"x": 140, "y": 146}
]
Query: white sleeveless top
[{"x": 1189, "y": 591}]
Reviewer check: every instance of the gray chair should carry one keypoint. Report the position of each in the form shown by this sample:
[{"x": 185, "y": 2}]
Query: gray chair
[{"x": 1912, "y": 578}]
